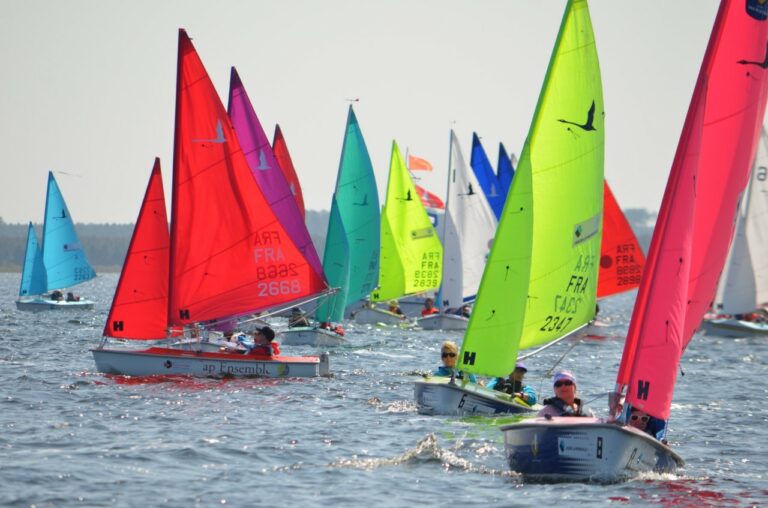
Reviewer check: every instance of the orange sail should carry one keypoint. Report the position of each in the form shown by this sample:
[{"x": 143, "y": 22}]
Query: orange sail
[
  {"x": 139, "y": 308},
  {"x": 229, "y": 253},
  {"x": 621, "y": 258},
  {"x": 280, "y": 149}
]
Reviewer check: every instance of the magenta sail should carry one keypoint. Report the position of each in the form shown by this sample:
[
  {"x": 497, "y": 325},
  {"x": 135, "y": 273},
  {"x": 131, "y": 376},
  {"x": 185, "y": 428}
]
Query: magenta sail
[
  {"x": 695, "y": 224},
  {"x": 266, "y": 170}
]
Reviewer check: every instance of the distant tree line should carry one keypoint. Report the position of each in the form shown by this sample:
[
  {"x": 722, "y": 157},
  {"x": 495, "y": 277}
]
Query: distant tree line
[{"x": 106, "y": 244}]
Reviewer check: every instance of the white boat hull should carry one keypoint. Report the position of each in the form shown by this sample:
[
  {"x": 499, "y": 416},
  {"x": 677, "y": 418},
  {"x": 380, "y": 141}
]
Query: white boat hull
[
  {"x": 372, "y": 316},
  {"x": 734, "y": 328},
  {"x": 437, "y": 396},
  {"x": 42, "y": 304},
  {"x": 443, "y": 322},
  {"x": 310, "y": 336},
  {"x": 584, "y": 449},
  {"x": 166, "y": 361}
]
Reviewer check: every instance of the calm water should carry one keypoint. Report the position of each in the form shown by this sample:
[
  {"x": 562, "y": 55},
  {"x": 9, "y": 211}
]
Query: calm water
[{"x": 74, "y": 437}]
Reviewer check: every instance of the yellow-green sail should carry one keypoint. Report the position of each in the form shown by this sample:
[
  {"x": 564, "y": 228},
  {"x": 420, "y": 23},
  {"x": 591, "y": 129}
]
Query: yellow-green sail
[
  {"x": 411, "y": 253},
  {"x": 540, "y": 280}
]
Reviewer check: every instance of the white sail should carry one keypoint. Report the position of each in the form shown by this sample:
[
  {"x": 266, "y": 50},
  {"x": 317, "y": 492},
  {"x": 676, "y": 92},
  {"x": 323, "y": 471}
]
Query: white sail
[
  {"x": 469, "y": 229},
  {"x": 744, "y": 282}
]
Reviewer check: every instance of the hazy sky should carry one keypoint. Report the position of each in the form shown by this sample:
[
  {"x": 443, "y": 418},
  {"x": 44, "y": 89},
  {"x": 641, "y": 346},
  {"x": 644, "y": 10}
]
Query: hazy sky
[{"x": 87, "y": 87}]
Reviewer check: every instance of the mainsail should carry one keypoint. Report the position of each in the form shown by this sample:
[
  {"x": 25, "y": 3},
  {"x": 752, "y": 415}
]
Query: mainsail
[
  {"x": 469, "y": 228},
  {"x": 63, "y": 256},
  {"x": 351, "y": 258},
  {"x": 411, "y": 254},
  {"x": 744, "y": 283},
  {"x": 283, "y": 156},
  {"x": 621, "y": 257},
  {"x": 139, "y": 308},
  {"x": 230, "y": 255},
  {"x": 540, "y": 280},
  {"x": 271, "y": 180},
  {"x": 487, "y": 178},
  {"x": 696, "y": 220}
]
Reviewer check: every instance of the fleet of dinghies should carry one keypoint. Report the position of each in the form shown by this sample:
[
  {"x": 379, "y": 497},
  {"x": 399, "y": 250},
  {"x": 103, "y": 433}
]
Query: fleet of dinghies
[{"x": 532, "y": 246}]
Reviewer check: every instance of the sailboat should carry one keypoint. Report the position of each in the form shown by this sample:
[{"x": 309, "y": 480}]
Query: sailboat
[
  {"x": 505, "y": 171},
  {"x": 60, "y": 263},
  {"x": 283, "y": 157},
  {"x": 411, "y": 253},
  {"x": 351, "y": 258},
  {"x": 234, "y": 259},
  {"x": 539, "y": 283},
  {"x": 489, "y": 182},
  {"x": 621, "y": 257},
  {"x": 687, "y": 253},
  {"x": 744, "y": 283},
  {"x": 469, "y": 226}
]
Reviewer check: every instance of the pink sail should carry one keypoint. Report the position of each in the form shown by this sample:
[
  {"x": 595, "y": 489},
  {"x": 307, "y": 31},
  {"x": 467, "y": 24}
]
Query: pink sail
[
  {"x": 230, "y": 255},
  {"x": 266, "y": 170},
  {"x": 695, "y": 224}
]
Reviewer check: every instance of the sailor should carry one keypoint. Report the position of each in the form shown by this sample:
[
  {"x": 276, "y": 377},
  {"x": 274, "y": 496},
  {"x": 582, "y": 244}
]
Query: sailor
[
  {"x": 394, "y": 308},
  {"x": 263, "y": 343},
  {"x": 565, "y": 402},
  {"x": 513, "y": 385},
  {"x": 448, "y": 353},
  {"x": 298, "y": 319},
  {"x": 429, "y": 307}
]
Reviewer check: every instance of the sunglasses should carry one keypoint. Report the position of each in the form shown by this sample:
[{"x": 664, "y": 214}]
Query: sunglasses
[
  {"x": 452, "y": 355},
  {"x": 644, "y": 418},
  {"x": 558, "y": 384}
]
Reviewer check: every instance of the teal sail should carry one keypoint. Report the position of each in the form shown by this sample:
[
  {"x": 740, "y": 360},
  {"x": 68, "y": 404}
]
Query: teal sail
[
  {"x": 63, "y": 256},
  {"x": 354, "y": 228},
  {"x": 33, "y": 273}
]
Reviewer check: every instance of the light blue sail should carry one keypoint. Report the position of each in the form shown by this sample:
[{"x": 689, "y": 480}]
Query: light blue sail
[
  {"x": 505, "y": 171},
  {"x": 354, "y": 228},
  {"x": 64, "y": 259},
  {"x": 33, "y": 273},
  {"x": 487, "y": 177}
]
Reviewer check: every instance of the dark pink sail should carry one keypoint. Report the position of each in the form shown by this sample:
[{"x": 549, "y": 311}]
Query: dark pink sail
[
  {"x": 266, "y": 170},
  {"x": 283, "y": 156},
  {"x": 139, "y": 308},
  {"x": 696, "y": 220},
  {"x": 230, "y": 255}
]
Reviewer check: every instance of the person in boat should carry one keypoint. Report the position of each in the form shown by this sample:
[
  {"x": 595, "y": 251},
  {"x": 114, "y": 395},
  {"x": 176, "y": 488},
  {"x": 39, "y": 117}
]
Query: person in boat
[
  {"x": 327, "y": 325},
  {"x": 394, "y": 308},
  {"x": 641, "y": 420},
  {"x": 429, "y": 308},
  {"x": 57, "y": 295},
  {"x": 565, "y": 402},
  {"x": 513, "y": 385},
  {"x": 298, "y": 319},
  {"x": 263, "y": 343},
  {"x": 72, "y": 298},
  {"x": 463, "y": 311},
  {"x": 448, "y": 353}
]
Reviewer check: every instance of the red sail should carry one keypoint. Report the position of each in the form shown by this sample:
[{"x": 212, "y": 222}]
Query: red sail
[
  {"x": 229, "y": 254},
  {"x": 280, "y": 149},
  {"x": 621, "y": 258},
  {"x": 139, "y": 308}
]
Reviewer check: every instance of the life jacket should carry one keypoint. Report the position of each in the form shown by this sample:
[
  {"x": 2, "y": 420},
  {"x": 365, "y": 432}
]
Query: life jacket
[
  {"x": 506, "y": 386},
  {"x": 339, "y": 330},
  {"x": 271, "y": 349},
  {"x": 565, "y": 410},
  {"x": 429, "y": 312}
]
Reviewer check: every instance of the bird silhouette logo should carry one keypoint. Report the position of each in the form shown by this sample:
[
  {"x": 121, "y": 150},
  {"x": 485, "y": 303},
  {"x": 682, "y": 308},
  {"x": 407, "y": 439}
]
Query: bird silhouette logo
[
  {"x": 470, "y": 191},
  {"x": 219, "y": 136},
  {"x": 762, "y": 65},
  {"x": 589, "y": 125},
  {"x": 364, "y": 202},
  {"x": 263, "y": 166}
]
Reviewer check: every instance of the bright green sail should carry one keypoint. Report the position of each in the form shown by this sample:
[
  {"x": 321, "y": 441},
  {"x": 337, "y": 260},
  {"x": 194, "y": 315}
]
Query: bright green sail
[
  {"x": 351, "y": 257},
  {"x": 411, "y": 253},
  {"x": 540, "y": 280}
]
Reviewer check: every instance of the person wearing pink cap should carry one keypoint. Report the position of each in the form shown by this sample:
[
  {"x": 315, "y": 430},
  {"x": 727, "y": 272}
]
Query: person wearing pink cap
[{"x": 565, "y": 402}]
